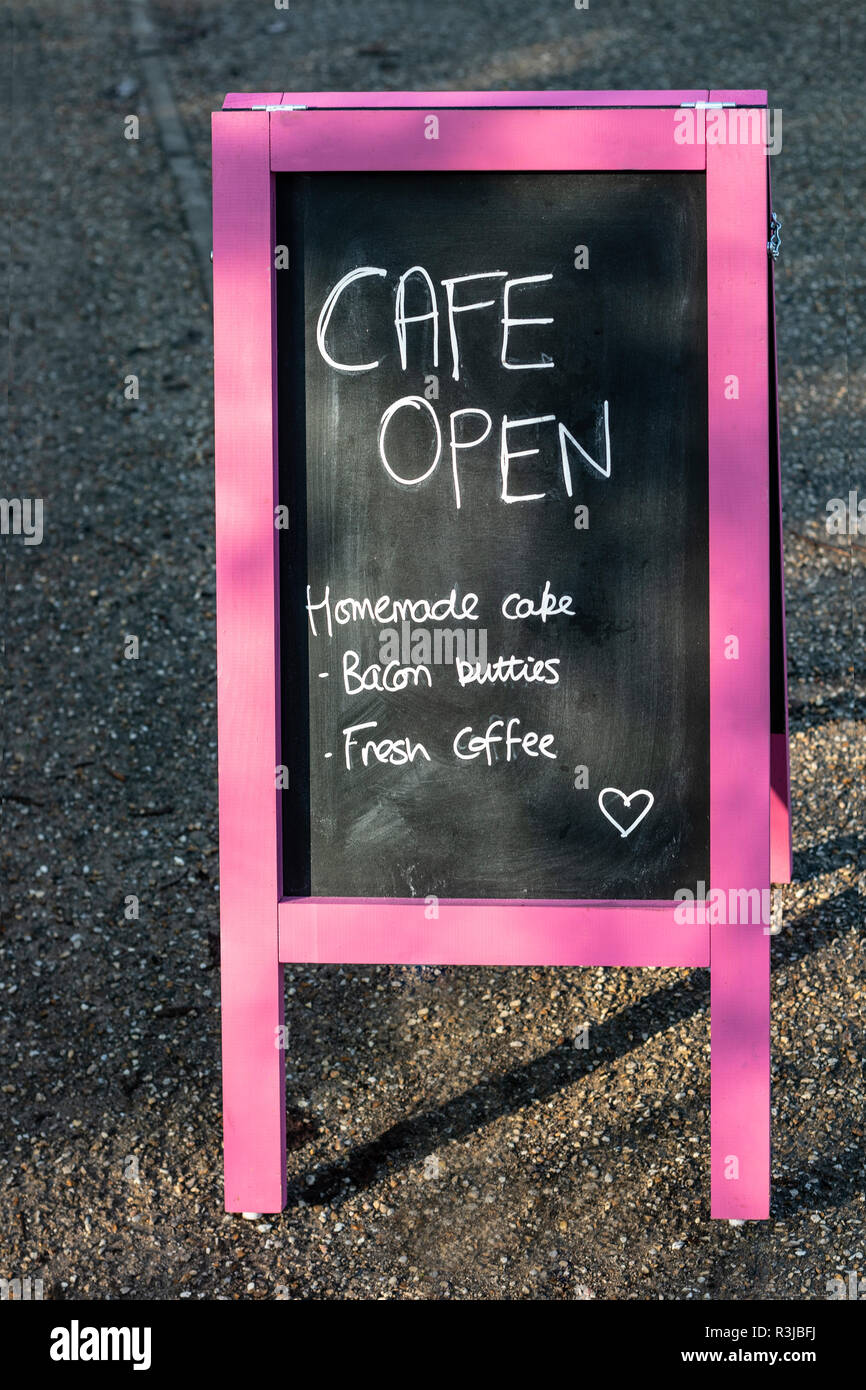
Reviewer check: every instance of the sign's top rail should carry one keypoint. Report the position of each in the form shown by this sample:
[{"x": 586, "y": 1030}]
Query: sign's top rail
[{"x": 251, "y": 101}]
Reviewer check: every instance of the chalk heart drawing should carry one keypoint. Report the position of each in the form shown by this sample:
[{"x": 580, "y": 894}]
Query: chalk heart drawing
[{"x": 626, "y": 801}]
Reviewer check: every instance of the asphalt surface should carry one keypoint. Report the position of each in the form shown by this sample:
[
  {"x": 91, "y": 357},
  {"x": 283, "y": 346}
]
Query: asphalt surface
[{"x": 448, "y": 1139}]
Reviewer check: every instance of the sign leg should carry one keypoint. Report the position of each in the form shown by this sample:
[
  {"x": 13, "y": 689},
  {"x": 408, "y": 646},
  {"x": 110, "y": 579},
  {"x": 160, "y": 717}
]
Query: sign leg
[
  {"x": 254, "y": 1113},
  {"x": 740, "y": 1071}
]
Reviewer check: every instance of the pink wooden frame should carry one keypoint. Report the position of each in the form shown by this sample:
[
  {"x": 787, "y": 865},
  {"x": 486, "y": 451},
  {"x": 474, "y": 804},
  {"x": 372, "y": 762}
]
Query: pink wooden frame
[
  {"x": 248, "y": 698},
  {"x": 738, "y": 344},
  {"x": 581, "y": 131},
  {"x": 781, "y": 848}
]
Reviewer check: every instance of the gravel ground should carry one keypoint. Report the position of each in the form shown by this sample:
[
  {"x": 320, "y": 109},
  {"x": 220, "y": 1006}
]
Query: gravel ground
[{"x": 486, "y": 1155}]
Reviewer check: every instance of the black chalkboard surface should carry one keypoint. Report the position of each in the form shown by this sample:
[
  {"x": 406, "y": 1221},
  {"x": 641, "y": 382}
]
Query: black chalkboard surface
[{"x": 579, "y": 768}]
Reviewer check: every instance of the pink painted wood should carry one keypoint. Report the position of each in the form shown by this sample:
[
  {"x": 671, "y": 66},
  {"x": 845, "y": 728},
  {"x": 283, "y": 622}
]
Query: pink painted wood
[
  {"x": 597, "y": 139},
  {"x": 781, "y": 856},
  {"x": 257, "y": 932},
  {"x": 244, "y": 374},
  {"x": 436, "y": 100},
  {"x": 781, "y": 848},
  {"x": 749, "y": 97},
  {"x": 739, "y": 688},
  {"x": 245, "y": 101},
  {"x": 488, "y": 933}
]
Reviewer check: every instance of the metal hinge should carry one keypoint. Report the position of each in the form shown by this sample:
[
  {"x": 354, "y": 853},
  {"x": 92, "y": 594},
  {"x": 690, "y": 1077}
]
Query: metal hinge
[
  {"x": 707, "y": 105},
  {"x": 774, "y": 245},
  {"x": 279, "y": 108}
]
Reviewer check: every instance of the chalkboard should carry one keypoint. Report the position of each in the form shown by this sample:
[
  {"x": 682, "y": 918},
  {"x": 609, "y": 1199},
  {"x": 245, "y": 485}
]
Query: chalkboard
[{"x": 574, "y": 578}]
